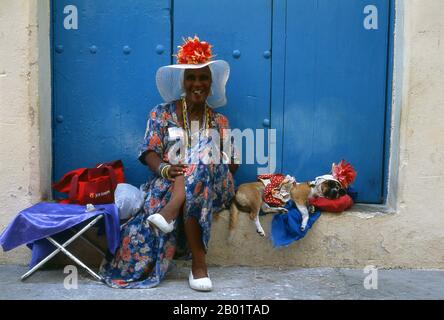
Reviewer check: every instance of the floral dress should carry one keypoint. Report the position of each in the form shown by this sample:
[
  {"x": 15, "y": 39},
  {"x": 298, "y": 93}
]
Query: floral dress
[{"x": 145, "y": 256}]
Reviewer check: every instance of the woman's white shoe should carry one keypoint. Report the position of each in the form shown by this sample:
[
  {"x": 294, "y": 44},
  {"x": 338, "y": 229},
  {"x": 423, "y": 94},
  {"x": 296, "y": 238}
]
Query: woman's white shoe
[
  {"x": 159, "y": 221},
  {"x": 202, "y": 284}
]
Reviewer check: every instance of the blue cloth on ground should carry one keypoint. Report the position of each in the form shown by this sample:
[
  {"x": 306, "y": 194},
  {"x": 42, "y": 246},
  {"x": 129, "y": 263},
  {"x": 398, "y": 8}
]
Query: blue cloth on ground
[
  {"x": 32, "y": 225},
  {"x": 286, "y": 227}
]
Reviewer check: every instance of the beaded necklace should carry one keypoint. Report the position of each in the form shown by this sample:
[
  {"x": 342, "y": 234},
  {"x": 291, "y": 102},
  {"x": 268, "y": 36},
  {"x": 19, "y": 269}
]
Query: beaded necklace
[{"x": 186, "y": 124}]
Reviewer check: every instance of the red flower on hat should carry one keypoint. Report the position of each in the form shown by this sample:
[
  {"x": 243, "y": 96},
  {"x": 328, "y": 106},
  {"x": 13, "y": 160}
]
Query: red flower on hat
[
  {"x": 194, "y": 51},
  {"x": 344, "y": 173}
]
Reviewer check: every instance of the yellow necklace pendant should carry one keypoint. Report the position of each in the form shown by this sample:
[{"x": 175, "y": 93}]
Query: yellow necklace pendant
[{"x": 186, "y": 125}]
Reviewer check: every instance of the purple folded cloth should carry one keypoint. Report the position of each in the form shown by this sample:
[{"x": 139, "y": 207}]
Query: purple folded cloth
[{"x": 32, "y": 225}]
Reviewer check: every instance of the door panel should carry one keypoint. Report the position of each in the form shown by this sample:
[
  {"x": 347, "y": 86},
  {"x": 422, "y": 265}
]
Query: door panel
[
  {"x": 335, "y": 90},
  {"x": 104, "y": 80}
]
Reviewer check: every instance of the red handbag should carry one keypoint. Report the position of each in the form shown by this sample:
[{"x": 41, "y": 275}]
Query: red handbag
[{"x": 91, "y": 185}]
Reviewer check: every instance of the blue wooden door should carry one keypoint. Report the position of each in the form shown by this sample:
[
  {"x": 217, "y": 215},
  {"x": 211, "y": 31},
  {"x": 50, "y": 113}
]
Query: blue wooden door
[
  {"x": 335, "y": 89},
  {"x": 240, "y": 32},
  {"x": 104, "y": 68},
  {"x": 315, "y": 70}
]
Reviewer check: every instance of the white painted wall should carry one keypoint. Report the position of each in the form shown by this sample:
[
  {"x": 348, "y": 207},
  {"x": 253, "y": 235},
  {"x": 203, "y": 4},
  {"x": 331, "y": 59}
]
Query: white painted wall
[
  {"x": 25, "y": 104},
  {"x": 412, "y": 236}
]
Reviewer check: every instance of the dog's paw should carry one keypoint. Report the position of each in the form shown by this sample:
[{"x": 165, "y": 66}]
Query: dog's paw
[
  {"x": 311, "y": 209},
  {"x": 283, "y": 210},
  {"x": 261, "y": 233}
]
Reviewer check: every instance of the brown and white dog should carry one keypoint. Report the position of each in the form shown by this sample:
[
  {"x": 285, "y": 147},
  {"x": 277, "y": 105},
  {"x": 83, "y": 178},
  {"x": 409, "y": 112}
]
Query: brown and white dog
[{"x": 249, "y": 198}]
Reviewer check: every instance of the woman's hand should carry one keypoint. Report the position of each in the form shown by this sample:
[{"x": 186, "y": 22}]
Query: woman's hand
[{"x": 176, "y": 170}]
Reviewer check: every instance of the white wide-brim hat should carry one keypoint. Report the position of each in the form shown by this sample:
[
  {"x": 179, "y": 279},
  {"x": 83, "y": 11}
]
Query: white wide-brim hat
[{"x": 169, "y": 81}]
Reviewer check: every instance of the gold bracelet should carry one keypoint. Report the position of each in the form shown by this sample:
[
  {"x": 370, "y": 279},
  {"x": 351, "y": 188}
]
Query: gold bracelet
[
  {"x": 161, "y": 172},
  {"x": 164, "y": 172},
  {"x": 167, "y": 172}
]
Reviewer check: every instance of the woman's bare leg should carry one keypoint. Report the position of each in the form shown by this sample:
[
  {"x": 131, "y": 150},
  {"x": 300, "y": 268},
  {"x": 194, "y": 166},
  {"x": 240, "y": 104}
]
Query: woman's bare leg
[
  {"x": 194, "y": 238},
  {"x": 172, "y": 209}
]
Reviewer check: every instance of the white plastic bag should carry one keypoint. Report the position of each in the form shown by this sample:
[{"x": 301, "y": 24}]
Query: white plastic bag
[{"x": 129, "y": 200}]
